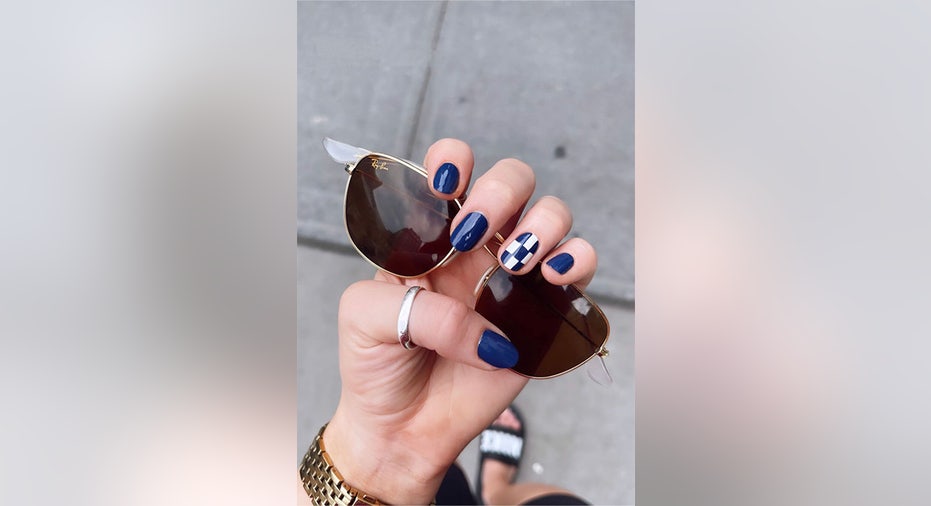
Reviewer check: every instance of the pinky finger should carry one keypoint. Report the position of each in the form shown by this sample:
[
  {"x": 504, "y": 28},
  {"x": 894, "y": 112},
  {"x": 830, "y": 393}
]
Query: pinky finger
[{"x": 574, "y": 261}]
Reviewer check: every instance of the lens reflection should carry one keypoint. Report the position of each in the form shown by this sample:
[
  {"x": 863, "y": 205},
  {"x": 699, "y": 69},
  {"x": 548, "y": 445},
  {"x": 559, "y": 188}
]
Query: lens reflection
[
  {"x": 554, "y": 328},
  {"x": 394, "y": 220}
]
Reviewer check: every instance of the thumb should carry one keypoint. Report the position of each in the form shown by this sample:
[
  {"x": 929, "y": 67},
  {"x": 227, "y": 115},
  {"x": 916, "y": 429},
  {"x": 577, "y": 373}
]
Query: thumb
[{"x": 437, "y": 322}]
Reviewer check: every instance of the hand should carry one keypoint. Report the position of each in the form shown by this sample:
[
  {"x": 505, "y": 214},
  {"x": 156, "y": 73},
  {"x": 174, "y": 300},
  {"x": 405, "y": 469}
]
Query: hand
[{"x": 405, "y": 415}]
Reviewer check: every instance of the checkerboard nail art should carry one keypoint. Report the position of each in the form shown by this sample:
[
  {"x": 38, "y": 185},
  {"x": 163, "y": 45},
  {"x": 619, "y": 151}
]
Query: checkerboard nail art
[{"x": 519, "y": 252}]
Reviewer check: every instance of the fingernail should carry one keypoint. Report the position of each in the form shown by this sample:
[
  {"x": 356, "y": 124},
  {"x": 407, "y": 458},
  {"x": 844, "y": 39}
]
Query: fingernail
[
  {"x": 446, "y": 179},
  {"x": 497, "y": 350},
  {"x": 561, "y": 263},
  {"x": 520, "y": 251},
  {"x": 469, "y": 231}
]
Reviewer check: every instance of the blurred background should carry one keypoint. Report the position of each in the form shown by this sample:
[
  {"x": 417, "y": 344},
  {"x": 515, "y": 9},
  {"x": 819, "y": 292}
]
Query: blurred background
[{"x": 550, "y": 83}]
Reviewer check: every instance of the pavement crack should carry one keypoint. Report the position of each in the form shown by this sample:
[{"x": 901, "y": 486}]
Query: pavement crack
[{"x": 421, "y": 97}]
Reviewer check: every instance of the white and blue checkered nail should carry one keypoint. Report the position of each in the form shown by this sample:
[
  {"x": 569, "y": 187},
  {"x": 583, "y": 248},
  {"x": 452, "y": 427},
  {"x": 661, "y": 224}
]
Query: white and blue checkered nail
[{"x": 519, "y": 252}]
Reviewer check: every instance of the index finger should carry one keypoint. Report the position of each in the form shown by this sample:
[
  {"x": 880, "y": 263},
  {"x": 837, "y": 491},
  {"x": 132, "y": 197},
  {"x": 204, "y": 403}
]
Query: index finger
[{"x": 449, "y": 167}]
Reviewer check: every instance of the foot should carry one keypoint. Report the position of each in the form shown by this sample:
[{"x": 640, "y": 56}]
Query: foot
[{"x": 497, "y": 475}]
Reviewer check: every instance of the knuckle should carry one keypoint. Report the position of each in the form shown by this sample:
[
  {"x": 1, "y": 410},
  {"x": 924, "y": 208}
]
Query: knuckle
[
  {"x": 585, "y": 246},
  {"x": 523, "y": 170},
  {"x": 586, "y": 251},
  {"x": 455, "y": 314},
  {"x": 554, "y": 203},
  {"x": 554, "y": 210},
  {"x": 503, "y": 192},
  {"x": 449, "y": 142},
  {"x": 350, "y": 300},
  {"x": 447, "y": 146}
]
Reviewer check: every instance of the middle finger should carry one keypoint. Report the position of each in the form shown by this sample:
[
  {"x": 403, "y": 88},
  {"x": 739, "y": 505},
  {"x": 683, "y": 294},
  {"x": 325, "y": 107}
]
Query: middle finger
[
  {"x": 544, "y": 225},
  {"x": 496, "y": 196}
]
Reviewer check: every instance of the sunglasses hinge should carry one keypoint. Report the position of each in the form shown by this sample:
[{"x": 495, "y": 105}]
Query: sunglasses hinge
[{"x": 348, "y": 168}]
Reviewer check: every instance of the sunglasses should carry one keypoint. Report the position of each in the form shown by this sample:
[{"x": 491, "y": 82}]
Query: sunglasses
[{"x": 400, "y": 227}]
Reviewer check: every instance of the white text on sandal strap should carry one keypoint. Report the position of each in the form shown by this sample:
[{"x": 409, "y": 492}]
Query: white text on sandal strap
[{"x": 501, "y": 443}]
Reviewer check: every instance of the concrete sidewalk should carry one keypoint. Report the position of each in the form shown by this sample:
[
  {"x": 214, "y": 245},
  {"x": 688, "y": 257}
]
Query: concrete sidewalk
[{"x": 550, "y": 83}]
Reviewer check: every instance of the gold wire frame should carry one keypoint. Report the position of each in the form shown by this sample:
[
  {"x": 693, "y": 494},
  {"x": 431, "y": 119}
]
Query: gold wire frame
[{"x": 601, "y": 352}]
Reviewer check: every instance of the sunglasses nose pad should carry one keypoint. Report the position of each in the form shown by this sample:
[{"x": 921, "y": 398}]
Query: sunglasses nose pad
[{"x": 597, "y": 370}]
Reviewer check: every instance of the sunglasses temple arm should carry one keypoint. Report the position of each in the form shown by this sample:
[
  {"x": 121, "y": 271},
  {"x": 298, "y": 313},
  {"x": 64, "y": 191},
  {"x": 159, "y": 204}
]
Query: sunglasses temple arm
[{"x": 497, "y": 240}]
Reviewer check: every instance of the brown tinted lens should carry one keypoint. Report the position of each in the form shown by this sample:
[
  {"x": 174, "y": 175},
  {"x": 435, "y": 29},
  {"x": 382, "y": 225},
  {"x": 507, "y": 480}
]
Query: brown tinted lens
[
  {"x": 394, "y": 220},
  {"x": 554, "y": 328}
]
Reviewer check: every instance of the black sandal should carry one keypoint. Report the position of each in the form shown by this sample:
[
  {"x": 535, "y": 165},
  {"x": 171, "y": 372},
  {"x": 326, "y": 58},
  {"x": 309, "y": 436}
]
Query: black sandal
[{"x": 503, "y": 444}]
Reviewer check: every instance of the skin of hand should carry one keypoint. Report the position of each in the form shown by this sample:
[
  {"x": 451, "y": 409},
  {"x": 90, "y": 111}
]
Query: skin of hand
[{"x": 405, "y": 415}]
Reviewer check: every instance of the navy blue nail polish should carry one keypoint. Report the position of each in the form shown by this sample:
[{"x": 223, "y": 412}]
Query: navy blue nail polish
[
  {"x": 520, "y": 251},
  {"x": 497, "y": 350},
  {"x": 469, "y": 231},
  {"x": 446, "y": 179},
  {"x": 561, "y": 263}
]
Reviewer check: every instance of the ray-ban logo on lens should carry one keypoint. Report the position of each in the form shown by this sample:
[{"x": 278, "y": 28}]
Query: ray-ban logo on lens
[{"x": 379, "y": 165}]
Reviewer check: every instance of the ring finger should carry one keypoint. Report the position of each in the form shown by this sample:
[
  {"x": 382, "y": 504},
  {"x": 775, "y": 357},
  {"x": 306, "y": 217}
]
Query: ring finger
[{"x": 545, "y": 224}]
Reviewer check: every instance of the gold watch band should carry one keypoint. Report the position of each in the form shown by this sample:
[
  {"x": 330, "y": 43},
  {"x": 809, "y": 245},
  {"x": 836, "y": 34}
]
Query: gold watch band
[{"x": 323, "y": 482}]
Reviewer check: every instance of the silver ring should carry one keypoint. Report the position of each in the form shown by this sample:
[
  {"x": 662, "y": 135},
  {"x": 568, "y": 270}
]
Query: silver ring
[{"x": 404, "y": 318}]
